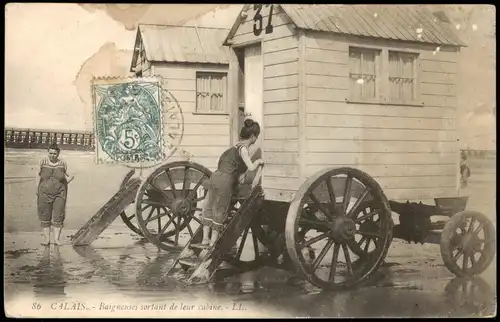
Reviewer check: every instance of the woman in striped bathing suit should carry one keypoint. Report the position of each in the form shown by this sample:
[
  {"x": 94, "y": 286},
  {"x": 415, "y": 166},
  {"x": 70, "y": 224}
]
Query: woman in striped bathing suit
[{"x": 52, "y": 193}]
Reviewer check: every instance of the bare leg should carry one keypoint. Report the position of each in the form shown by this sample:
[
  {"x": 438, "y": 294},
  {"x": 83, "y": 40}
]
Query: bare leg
[
  {"x": 46, "y": 234},
  {"x": 215, "y": 235},
  {"x": 57, "y": 235},
  {"x": 206, "y": 233}
]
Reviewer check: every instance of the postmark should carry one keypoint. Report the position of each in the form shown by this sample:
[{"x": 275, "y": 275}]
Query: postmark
[{"x": 137, "y": 122}]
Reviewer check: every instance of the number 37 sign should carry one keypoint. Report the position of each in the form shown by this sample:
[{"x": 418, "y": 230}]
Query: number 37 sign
[{"x": 262, "y": 19}]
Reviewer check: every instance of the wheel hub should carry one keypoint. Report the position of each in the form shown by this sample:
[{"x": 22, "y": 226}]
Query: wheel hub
[
  {"x": 342, "y": 229},
  {"x": 181, "y": 206}
]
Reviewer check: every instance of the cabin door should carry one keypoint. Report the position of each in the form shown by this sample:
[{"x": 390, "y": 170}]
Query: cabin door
[{"x": 254, "y": 78}]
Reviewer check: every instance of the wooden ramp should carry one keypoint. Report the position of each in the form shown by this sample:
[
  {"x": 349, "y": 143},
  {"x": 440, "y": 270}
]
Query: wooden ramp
[
  {"x": 108, "y": 213},
  {"x": 208, "y": 259}
]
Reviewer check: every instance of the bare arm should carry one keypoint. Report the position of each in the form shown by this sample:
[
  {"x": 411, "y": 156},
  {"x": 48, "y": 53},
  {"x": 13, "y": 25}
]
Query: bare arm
[
  {"x": 67, "y": 175},
  {"x": 248, "y": 162}
]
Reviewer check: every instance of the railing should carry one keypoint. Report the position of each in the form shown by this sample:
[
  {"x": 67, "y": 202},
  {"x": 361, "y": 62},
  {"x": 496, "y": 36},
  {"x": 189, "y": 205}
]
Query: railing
[{"x": 42, "y": 139}]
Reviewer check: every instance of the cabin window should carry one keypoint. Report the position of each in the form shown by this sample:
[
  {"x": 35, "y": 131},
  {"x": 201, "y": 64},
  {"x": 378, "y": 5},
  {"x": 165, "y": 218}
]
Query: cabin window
[
  {"x": 363, "y": 72},
  {"x": 402, "y": 80},
  {"x": 211, "y": 92}
]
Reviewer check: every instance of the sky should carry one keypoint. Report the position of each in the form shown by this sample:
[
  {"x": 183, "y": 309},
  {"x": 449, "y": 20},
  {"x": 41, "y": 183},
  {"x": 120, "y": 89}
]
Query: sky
[{"x": 53, "y": 51}]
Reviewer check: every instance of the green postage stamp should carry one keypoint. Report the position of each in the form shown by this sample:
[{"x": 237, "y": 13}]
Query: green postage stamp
[{"x": 128, "y": 119}]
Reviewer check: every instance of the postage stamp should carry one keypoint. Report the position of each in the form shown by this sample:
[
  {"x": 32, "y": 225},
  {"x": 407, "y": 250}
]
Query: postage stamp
[{"x": 128, "y": 120}]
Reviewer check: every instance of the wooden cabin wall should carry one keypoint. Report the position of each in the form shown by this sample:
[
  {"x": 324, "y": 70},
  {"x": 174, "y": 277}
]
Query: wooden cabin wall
[
  {"x": 280, "y": 143},
  {"x": 205, "y": 136},
  {"x": 411, "y": 151}
]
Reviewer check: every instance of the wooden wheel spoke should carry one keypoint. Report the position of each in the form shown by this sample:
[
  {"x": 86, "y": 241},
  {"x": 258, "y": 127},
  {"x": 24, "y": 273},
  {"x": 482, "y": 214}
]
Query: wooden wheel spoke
[
  {"x": 347, "y": 194},
  {"x": 367, "y": 216},
  {"x": 333, "y": 267},
  {"x": 367, "y": 245},
  {"x": 458, "y": 254},
  {"x": 196, "y": 219},
  {"x": 478, "y": 229},
  {"x": 153, "y": 203},
  {"x": 242, "y": 243},
  {"x": 331, "y": 192},
  {"x": 313, "y": 223},
  {"x": 158, "y": 216},
  {"x": 314, "y": 240},
  {"x": 184, "y": 181},
  {"x": 471, "y": 225},
  {"x": 198, "y": 184},
  {"x": 368, "y": 234},
  {"x": 177, "y": 230},
  {"x": 465, "y": 261},
  {"x": 162, "y": 231},
  {"x": 150, "y": 214},
  {"x": 355, "y": 207},
  {"x": 320, "y": 206},
  {"x": 130, "y": 217},
  {"x": 163, "y": 192},
  {"x": 190, "y": 230},
  {"x": 146, "y": 206},
  {"x": 356, "y": 248},
  {"x": 473, "y": 259},
  {"x": 347, "y": 259},
  {"x": 322, "y": 254},
  {"x": 174, "y": 191}
]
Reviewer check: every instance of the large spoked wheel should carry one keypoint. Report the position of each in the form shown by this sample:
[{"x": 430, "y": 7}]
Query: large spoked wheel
[
  {"x": 168, "y": 203},
  {"x": 468, "y": 243},
  {"x": 338, "y": 228}
]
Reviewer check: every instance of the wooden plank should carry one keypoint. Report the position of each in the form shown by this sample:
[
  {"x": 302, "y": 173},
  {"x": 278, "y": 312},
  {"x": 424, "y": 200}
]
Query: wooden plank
[
  {"x": 281, "y": 120},
  {"x": 180, "y": 84},
  {"x": 439, "y": 101},
  {"x": 281, "y": 171},
  {"x": 288, "y": 107},
  {"x": 326, "y": 56},
  {"x": 281, "y": 195},
  {"x": 442, "y": 55},
  {"x": 395, "y": 170},
  {"x": 438, "y": 89},
  {"x": 419, "y": 193},
  {"x": 280, "y": 44},
  {"x": 208, "y": 140},
  {"x": 107, "y": 214},
  {"x": 278, "y": 95},
  {"x": 205, "y": 151},
  {"x": 381, "y": 122},
  {"x": 326, "y": 94},
  {"x": 206, "y": 129},
  {"x": 316, "y": 107},
  {"x": 184, "y": 96},
  {"x": 291, "y": 68},
  {"x": 281, "y": 183},
  {"x": 186, "y": 108},
  {"x": 436, "y": 66},
  {"x": 190, "y": 118},
  {"x": 281, "y": 133},
  {"x": 279, "y": 57},
  {"x": 356, "y": 146},
  {"x": 281, "y": 82},
  {"x": 380, "y": 158},
  {"x": 325, "y": 81},
  {"x": 416, "y": 182},
  {"x": 280, "y": 145},
  {"x": 313, "y": 132},
  {"x": 281, "y": 158},
  {"x": 315, "y": 68},
  {"x": 186, "y": 70},
  {"x": 325, "y": 41},
  {"x": 438, "y": 78}
]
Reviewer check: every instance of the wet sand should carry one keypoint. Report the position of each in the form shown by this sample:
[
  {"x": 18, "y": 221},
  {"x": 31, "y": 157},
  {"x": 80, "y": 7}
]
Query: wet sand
[{"x": 120, "y": 275}]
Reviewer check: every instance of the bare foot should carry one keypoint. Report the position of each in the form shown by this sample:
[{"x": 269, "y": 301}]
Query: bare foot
[{"x": 205, "y": 242}]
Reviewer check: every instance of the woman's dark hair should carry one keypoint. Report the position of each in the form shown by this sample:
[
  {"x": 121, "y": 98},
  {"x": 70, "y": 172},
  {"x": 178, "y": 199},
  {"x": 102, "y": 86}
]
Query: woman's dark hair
[
  {"x": 250, "y": 128},
  {"x": 54, "y": 146}
]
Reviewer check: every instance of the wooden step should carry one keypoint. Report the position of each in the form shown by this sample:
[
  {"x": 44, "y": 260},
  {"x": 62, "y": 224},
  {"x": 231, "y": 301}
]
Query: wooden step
[{"x": 188, "y": 262}]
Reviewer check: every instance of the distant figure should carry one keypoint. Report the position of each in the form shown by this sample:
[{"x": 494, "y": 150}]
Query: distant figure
[
  {"x": 464, "y": 170},
  {"x": 52, "y": 193}
]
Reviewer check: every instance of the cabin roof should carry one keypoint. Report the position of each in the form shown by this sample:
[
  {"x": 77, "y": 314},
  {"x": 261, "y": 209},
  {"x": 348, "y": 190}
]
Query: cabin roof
[
  {"x": 187, "y": 44},
  {"x": 397, "y": 22}
]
